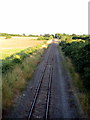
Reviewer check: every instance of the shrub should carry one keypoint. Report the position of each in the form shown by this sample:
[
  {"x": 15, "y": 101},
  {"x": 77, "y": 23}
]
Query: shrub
[
  {"x": 79, "y": 52},
  {"x": 44, "y": 38},
  {"x": 8, "y": 37},
  {"x": 15, "y": 80},
  {"x": 9, "y": 62},
  {"x": 16, "y": 60},
  {"x": 6, "y": 65}
]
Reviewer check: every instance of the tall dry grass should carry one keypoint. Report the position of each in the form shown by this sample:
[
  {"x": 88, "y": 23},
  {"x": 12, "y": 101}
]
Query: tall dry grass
[
  {"x": 16, "y": 80},
  {"x": 78, "y": 86}
]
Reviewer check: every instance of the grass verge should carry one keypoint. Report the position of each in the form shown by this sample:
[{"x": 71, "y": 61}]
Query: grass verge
[
  {"x": 78, "y": 87},
  {"x": 16, "y": 79}
]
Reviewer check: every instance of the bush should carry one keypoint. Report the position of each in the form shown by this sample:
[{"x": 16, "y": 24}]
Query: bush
[
  {"x": 86, "y": 77},
  {"x": 6, "y": 65},
  {"x": 8, "y": 37},
  {"x": 16, "y": 60},
  {"x": 44, "y": 38},
  {"x": 79, "y": 52},
  {"x": 9, "y": 62}
]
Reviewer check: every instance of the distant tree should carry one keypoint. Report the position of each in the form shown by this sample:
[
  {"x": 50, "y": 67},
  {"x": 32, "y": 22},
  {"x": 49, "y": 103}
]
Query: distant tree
[
  {"x": 47, "y": 35},
  {"x": 24, "y": 34},
  {"x": 58, "y": 35},
  {"x": 73, "y": 34},
  {"x": 64, "y": 34},
  {"x": 52, "y": 35},
  {"x": 8, "y": 37}
]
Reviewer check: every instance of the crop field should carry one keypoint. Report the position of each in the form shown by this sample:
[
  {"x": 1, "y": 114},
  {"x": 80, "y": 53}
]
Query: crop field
[
  {"x": 16, "y": 44},
  {"x": 20, "y": 56}
]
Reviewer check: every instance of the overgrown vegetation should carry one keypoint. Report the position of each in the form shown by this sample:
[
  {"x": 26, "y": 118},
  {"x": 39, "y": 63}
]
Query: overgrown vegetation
[
  {"x": 73, "y": 37},
  {"x": 9, "y": 62},
  {"x": 24, "y": 35},
  {"x": 9, "y": 52},
  {"x": 77, "y": 48},
  {"x": 6, "y": 34},
  {"x": 8, "y": 37},
  {"x": 17, "y": 70},
  {"x": 80, "y": 55},
  {"x": 19, "y": 35},
  {"x": 45, "y": 37}
]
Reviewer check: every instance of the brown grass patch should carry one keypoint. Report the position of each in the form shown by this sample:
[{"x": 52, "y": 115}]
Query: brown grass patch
[
  {"x": 16, "y": 80},
  {"x": 19, "y": 42}
]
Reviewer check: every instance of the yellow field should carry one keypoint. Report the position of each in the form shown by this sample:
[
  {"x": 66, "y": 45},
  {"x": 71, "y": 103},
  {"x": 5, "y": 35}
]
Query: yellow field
[
  {"x": 16, "y": 44},
  {"x": 19, "y": 42}
]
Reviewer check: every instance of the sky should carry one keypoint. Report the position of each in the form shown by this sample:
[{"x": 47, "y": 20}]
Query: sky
[{"x": 44, "y": 16}]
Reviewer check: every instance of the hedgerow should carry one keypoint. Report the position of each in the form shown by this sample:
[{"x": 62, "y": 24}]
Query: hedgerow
[
  {"x": 79, "y": 52},
  {"x": 9, "y": 62}
]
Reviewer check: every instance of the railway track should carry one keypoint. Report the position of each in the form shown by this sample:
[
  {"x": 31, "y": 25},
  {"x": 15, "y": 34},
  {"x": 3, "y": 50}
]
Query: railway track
[
  {"x": 50, "y": 94},
  {"x": 41, "y": 101}
]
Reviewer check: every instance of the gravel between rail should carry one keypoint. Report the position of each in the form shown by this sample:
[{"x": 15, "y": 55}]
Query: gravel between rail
[{"x": 62, "y": 102}]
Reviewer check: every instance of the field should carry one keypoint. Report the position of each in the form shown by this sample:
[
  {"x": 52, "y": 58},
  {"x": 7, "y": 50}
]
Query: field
[
  {"x": 16, "y": 44},
  {"x": 20, "y": 56}
]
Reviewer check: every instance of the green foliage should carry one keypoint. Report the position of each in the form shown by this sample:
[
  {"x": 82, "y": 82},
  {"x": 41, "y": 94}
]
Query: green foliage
[
  {"x": 58, "y": 35},
  {"x": 79, "y": 52},
  {"x": 44, "y": 38},
  {"x": 8, "y": 37},
  {"x": 17, "y": 71},
  {"x": 24, "y": 34},
  {"x": 8, "y": 52},
  {"x": 73, "y": 34},
  {"x": 52, "y": 35},
  {"x": 6, "y": 34},
  {"x": 46, "y": 35},
  {"x": 63, "y": 37},
  {"x": 9, "y": 62},
  {"x": 6, "y": 65},
  {"x": 16, "y": 60},
  {"x": 32, "y": 35},
  {"x": 81, "y": 37}
]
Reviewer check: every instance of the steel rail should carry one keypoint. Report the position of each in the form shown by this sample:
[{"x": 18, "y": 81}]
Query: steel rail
[
  {"x": 48, "y": 96},
  {"x": 49, "y": 90},
  {"x": 36, "y": 93}
]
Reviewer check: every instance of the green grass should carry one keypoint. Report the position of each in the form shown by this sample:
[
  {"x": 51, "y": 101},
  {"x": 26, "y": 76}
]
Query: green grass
[
  {"x": 75, "y": 76},
  {"x": 16, "y": 79},
  {"x": 8, "y": 37},
  {"x": 9, "y": 52},
  {"x": 83, "y": 95},
  {"x": 9, "y": 62}
]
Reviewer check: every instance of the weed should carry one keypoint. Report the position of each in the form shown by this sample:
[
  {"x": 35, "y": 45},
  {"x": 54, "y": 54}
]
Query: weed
[
  {"x": 16, "y": 79},
  {"x": 78, "y": 86},
  {"x": 8, "y": 37}
]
